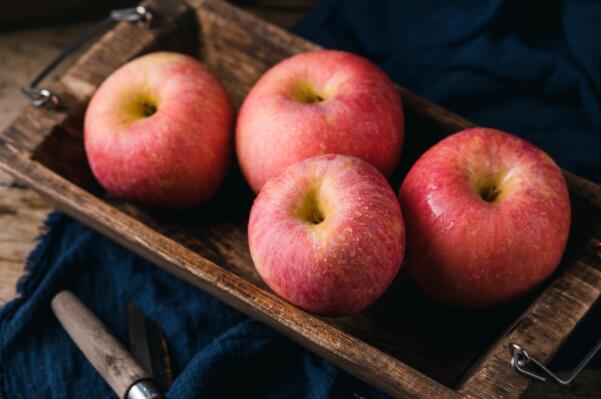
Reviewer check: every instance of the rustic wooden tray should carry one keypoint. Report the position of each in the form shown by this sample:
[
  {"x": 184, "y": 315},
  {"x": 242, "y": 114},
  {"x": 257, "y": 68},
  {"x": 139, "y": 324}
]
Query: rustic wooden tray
[{"x": 404, "y": 344}]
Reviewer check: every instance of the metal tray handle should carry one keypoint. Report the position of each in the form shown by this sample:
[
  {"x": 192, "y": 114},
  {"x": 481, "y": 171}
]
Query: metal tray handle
[
  {"x": 40, "y": 97},
  {"x": 529, "y": 367}
]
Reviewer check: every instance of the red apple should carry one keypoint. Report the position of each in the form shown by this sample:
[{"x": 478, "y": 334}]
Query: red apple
[
  {"x": 327, "y": 234},
  {"x": 157, "y": 131},
  {"x": 488, "y": 217},
  {"x": 318, "y": 103}
]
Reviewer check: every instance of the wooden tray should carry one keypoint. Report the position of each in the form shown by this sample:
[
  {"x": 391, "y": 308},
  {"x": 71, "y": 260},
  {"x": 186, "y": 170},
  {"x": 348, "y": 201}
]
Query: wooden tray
[{"x": 404, "y": 344}]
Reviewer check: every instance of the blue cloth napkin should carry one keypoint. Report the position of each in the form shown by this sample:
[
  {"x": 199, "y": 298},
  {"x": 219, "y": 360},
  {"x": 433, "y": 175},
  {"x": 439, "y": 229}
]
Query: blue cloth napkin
[{"x": 530, "y": 68}]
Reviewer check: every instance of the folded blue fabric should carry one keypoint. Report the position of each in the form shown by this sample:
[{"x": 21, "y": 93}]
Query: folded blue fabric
[
  {"x": 530, "y": 69},
  {"x": 216, "y": 351}
]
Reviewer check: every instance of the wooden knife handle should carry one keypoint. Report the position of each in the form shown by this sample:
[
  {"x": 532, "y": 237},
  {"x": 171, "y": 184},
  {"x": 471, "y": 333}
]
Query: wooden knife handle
[{"x": 104, "y": 351}]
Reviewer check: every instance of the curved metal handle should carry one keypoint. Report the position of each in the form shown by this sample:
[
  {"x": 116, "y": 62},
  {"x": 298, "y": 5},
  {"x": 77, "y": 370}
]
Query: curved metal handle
[
  {"x": 40, "y": 97},
  {"x": 529, "y": 367}
]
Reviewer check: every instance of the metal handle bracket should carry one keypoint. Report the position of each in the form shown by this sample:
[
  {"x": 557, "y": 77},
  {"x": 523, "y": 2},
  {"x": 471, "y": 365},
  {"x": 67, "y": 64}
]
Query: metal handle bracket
[
  {"x": 529, "y": 367},
  {"x": 41, "y": 97}
]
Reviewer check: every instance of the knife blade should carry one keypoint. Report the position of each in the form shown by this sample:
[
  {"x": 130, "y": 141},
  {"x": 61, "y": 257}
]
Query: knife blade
[{"x": 149, "y": 347}]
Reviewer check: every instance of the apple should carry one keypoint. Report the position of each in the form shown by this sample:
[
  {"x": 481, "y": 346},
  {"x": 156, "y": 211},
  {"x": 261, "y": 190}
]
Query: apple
[
  {"x": 157, "y": 131},
  {"x": 327, "y": 234},
  {"x": 487, "y": 217},
  {"x": 316, "y": 103}
]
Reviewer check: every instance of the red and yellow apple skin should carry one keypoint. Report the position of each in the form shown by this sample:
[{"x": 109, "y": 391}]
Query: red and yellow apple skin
[
  {"x": 158, "y": 131},
  {"x": 316, "y": 103},
  {"x": 487, "y": 217},
  {"x": 327, "y": 234}
]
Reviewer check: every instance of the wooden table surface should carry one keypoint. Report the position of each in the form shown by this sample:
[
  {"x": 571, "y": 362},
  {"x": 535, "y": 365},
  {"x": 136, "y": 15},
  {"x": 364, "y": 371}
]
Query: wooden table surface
[{"x": 22, "y": 211}]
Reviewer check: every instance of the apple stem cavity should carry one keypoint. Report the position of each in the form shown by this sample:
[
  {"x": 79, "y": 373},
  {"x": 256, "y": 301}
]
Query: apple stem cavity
[
  {"x": 148, "y": 109},
  {"x": 316, "y": 217},
  {"x": 310, "y": 210},
  {"x": 489, "y": 193},
  {"x": 305, "y": 93}
]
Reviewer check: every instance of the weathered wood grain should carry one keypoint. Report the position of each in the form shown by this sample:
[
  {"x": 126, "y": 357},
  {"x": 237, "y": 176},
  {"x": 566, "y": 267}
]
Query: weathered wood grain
[
  {"x": 586, "y": 386},
  {"x": 404, "y": 344},
  {"x": 22, "y": 55},
  {"x": 21, "y": 214}
]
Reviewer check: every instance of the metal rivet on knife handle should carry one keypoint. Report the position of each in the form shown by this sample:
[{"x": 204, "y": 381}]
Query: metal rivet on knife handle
[{"x": 144, "y": 389}]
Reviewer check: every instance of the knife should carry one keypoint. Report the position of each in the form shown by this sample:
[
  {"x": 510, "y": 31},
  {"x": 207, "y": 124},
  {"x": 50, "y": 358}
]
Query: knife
[
  {"x": 108, "y": 356},
  {"x": 148, "y": 345}
]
